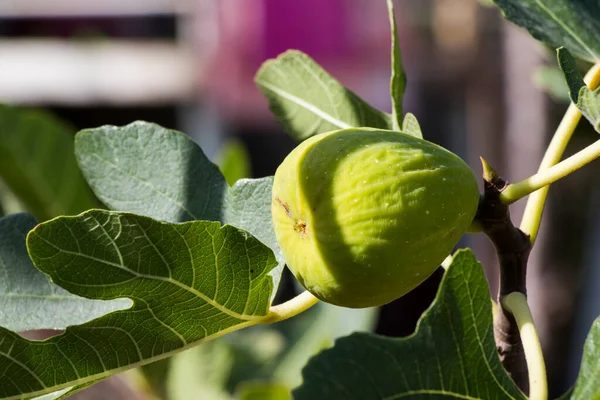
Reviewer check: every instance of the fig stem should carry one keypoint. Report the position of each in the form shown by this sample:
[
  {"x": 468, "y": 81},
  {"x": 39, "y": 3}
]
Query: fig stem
[
  {"x": 516, "y": 304},
  {"x": 516, "y": 191},
  {"x": 290, "y": 308},
  {"x": 513, "y": 248},
  {"x": 535, "y": 204}
]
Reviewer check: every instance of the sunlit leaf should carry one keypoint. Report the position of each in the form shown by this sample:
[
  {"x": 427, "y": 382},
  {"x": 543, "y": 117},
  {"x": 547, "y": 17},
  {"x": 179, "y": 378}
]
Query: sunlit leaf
[
  {"x": 189, "y": 283},
  {"x": 149, "y": 170},
  {"x": 452, "y": 354},
  {"x": 29, "y": 300},
  {"x": 306, "y": 100}
]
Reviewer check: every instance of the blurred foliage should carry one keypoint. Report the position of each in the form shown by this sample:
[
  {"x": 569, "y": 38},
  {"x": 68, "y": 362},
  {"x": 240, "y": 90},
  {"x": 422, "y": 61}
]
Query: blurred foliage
[
  {"x": 37, "y": 164},
  {"x": 551, "y": 80},
  {"x": 234, "y": 161}
]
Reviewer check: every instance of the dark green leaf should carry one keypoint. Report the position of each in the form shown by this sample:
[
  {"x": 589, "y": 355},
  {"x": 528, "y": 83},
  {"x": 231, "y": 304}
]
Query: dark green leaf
[
  {"x": 587, "y": 385},
  {"x": 150, "y": 170},
  {"x": 452, "y": 353},
  {"x": 398, "y": 81},
  {"x": 588, "y": 101},
  {"x": 411, "y": 126},
  {"x": 234, "y": 162},
  {"x": 574, "y": 24},
  {"x": 189, "y": 283},
  {"x": 29, "y": 300},
  {"x": 306, "y": 100},
  {"x": 37, "y": 163}
]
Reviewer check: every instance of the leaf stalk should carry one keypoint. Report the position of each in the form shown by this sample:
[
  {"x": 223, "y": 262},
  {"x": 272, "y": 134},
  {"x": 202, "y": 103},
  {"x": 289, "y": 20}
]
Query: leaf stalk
[
  {"x": 516, "y": 304},
  {"x": 290, "y": 308},
  {"x": 545, "y": 177}
]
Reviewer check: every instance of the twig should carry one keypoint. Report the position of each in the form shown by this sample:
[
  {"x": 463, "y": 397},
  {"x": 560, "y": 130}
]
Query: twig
[{"x": 513, "y": 248}]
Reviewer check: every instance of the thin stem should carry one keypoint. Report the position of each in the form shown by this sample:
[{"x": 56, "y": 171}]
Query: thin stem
[
  {"x": 290, "y": 308},
  {"x": 535, "y": 205},
  {"x": 543, "y": 178},
  {"x": 516, "y": 304}
]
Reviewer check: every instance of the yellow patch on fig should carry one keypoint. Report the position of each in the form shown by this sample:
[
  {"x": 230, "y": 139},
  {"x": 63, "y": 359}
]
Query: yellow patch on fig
[{"x": 363, "y": 216}]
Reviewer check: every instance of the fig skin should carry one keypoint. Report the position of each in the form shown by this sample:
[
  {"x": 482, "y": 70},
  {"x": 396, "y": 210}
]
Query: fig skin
[{"x": 363, "y": 216}]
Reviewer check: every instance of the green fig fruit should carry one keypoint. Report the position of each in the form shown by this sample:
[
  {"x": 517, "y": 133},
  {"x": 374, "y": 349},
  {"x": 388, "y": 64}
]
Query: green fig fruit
[{"x": 363, "y": 216}]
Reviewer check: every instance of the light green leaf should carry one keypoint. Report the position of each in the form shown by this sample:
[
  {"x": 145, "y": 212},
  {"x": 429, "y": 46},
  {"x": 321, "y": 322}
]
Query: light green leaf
[
  {"x": 29, "y": 299},
  {"x": 398, "y": 81},
  {"x": 9, "y": 202},
  {"x": 149, "y": 170},
  {"x": 411, "y": 126},
  {"x": 315, "y": 330},
  {"x": 234, "y": 161},
  {"x": 38, "y": 165},
  {"x": 263, "y": 391},
  {"x": 588, "y": 101},
  {"x": 574, "y": 24},
  {"x": 451, "y": 354},
  {"x": 306, "y": 100},
  {"x": 201, "y": 373},
  {"x": 248, "y": 206},
  {"x": 587, "y": 385},
  {"x": 189, "y": 283},
  {"x": 551, "y": 80}
]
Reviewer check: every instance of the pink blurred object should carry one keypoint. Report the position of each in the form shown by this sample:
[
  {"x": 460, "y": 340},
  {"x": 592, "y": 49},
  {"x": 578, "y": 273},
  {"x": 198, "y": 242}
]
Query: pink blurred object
[{"x": 349, "y": 38}]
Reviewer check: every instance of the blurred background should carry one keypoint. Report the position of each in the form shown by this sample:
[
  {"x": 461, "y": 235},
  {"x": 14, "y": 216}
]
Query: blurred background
[{"x": 478, "y": 85}]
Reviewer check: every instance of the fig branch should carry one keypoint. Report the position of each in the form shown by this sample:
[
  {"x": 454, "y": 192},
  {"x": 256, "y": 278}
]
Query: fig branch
[{"x": 513, "y": 248}]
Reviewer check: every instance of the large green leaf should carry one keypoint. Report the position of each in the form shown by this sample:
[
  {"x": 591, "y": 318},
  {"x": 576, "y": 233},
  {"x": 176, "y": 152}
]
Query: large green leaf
[
  {"x": 146, "y": 169},
  {"x": 306, "y": 100},
  {"x": 189, "y": 283},
  {"x": 574, "y": 24},
  {"x": 587, "y": 100},
  {"x": 398, "y": 81},
  {"x": 587, "y": 385},
  {"x": 150, "y": 170},
  {"x": 37, "y": 163},
  {"x": 451, "y": 355},
  {"x": 29, "y": 299}
]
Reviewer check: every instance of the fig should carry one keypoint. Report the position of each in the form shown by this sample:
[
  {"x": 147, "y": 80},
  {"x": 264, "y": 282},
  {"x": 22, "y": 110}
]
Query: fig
[{"x": 363, "y": 216}]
